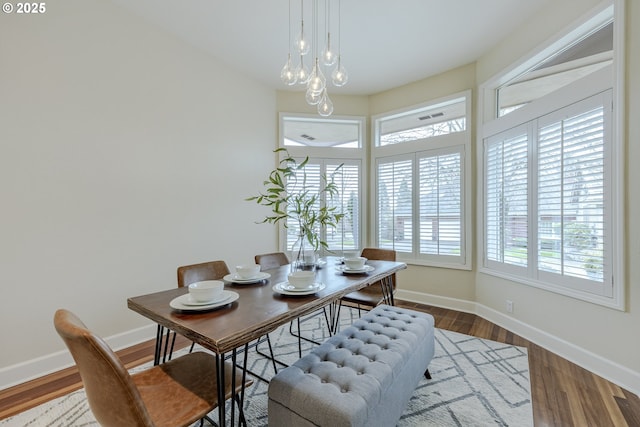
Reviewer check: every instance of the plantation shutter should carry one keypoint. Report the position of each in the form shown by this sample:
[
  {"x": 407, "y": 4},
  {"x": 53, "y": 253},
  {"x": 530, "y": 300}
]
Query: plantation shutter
[
  {"x": 347, "y": 179},
  {"x": 571, "y": 197},
  {"x": 347, "y": 234},
  {"x": 394, "y": 180},
  {"x": 441, "y": 226},
  {"x": 506, "y": 193},
  {"x": 308, "y": 177}
]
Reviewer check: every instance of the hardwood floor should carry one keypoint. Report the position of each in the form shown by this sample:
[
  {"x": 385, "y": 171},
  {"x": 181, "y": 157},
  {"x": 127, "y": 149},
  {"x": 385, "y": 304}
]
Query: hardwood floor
[{"x": 563, "y": 394}]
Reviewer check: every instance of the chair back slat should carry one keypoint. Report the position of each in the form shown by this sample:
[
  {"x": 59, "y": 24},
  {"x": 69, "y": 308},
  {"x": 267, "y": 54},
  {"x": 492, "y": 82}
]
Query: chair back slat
[
  {"x": 272, "y": 260},
  {"x": 212, "y": 270}
]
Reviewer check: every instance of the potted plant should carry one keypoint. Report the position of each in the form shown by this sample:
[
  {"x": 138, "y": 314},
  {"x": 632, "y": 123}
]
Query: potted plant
[{"x": 297, "y": 203}]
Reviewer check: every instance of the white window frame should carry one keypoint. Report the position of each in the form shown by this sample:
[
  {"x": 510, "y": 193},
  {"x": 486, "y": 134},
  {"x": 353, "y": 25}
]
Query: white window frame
[
  {"x": 599, "y": 82},
  {"x": 412, "y": 149},
  {"x": 336, "y": 155}
]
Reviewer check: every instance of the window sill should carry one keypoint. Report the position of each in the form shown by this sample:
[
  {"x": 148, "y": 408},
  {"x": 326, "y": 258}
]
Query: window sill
[{"x": 435, "y": 264}]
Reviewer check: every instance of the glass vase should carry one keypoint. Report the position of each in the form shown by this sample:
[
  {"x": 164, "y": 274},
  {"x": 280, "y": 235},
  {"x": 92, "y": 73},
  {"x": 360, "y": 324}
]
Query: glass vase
[{"x": 303, "y": 255}]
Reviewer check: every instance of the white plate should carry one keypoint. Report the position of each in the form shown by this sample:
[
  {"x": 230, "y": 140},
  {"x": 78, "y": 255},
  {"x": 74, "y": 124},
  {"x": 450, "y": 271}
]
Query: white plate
[
  {"x": 179, "y": 302},
  {"x": 284, "y": 289},
  {"x": 286, "y": 286},
  {"x": 188, "y": 300},
  {"x": 365, "y": 269},
  {"x": 321, "y": 263},
  {"x": 234, "y": 278}
]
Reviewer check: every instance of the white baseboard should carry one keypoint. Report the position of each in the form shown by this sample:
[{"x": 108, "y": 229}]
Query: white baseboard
[
  {"x": 36, "y": 368},
  {"x": 607, "y": 369},
  {"x": 437, "y": 301}
]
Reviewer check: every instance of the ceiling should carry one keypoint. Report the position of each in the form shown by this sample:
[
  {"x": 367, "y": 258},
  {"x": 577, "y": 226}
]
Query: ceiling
[{"x": 384, "y": 43}]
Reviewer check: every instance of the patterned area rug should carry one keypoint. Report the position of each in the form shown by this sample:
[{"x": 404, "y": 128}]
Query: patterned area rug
[{"x": 475, "y": 382}]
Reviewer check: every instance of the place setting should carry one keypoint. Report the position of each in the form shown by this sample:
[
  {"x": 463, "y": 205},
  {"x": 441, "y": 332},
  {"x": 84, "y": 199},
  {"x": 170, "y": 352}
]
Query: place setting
[
  {"x": 247, "y": 274},
  {"x": 355, "y": 265},
  {"x": 299, "y": 283},
  {"x": 203, "y": 296}
]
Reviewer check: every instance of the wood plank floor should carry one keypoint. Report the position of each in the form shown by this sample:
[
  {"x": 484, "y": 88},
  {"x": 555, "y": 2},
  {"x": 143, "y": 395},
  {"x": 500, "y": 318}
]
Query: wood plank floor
[{"x": 563, "y": 394}]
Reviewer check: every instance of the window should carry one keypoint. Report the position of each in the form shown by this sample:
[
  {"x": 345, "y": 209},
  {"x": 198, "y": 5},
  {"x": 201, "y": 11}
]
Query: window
[
  {"x": 421, "y": 176},
  {"x": 588, "y": 54},
  {"x": 507, "y": 198},
  {"x": 571, "y": 182},
  {"x": 423, "y": 122},
  {"x": 395, "y": 204},
  {"x": 561, "y": 232},
  {"x": 552, "y": 175},
  {"x": 347, "y": 177},
  {"x": 333, "y": 145},
  {"x": 303, "y": 131}
]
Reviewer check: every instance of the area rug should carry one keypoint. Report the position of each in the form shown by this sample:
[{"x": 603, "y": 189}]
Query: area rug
[{"x": 475, "y": 382}]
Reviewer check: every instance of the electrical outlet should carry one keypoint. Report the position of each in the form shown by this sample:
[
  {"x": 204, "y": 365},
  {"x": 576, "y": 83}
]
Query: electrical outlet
[{"x": 509, "y": 306}]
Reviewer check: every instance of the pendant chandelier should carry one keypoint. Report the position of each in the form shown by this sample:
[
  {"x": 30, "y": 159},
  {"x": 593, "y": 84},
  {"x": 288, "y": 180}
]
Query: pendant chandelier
[{"x": 328, "y": 59}]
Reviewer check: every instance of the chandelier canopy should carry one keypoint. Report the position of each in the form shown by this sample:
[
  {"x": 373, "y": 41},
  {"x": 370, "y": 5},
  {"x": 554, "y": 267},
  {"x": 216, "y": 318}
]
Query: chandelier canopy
[{"x": 328, "y": 58}]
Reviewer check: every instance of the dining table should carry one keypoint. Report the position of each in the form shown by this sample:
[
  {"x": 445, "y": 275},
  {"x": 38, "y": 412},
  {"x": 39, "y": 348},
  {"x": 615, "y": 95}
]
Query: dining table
[{"x": 256, "y": 309}]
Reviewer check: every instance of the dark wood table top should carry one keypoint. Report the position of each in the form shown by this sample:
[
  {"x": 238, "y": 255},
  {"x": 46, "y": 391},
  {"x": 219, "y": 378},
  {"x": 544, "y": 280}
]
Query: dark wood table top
[{"x": 259, "y": 309}]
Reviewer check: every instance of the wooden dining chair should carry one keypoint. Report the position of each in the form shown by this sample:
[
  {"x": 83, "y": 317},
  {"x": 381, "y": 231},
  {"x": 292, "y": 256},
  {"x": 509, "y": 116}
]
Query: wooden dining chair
[
  {"x": 278, "y": 259},
  {"x": 271, "y": 260},
  {"x": 212, "y": 270},
  {"x": 378, "y": 292},
  {"x": 177, "y": 393}
]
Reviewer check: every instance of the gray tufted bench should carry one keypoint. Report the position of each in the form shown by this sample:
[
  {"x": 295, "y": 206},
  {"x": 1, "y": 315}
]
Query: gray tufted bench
[{"x": 362, "y": 376}]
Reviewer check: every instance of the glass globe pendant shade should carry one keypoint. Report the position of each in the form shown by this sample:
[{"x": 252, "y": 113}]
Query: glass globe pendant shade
[
  {"x": 317, "y": 81},
  {"x": 302, "y": 73},
  {"x": 312, "y": 97},
  {"x": 339, "y": 75},
  {"x": 329, "y": 57},
  {"x": 288, "y": 73},
  {"x": 302, "y": 44},
  {"x": 325, "y": 107}
]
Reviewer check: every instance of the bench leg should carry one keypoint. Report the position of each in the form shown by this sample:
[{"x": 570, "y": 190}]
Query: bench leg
[{"x": 427, "y": 374}]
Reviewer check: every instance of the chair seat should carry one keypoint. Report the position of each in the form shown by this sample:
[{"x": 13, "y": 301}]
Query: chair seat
[
  {"x": 370, "y": 296},
  {"x": 164, "y": 391}
]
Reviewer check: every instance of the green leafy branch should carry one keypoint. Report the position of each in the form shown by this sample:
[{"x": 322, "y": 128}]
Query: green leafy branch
[{"x": 292, "y": 199}]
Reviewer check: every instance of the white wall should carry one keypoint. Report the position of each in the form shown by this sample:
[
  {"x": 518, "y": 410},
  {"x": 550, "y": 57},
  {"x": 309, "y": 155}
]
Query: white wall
[
  {"x": 124, "y": 153},
  {"x": 600, "y": 339},
  {"x": 445, "y": 283}
]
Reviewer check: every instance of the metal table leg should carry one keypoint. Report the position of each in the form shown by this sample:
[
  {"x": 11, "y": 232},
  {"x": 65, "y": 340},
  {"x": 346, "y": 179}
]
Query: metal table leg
[{"x": 220, "y": 383}]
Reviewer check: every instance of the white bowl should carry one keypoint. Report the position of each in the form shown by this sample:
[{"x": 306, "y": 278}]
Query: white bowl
[
  {"x": 355, "y": 263},
  {"x": 301, "y": 279},
  {"x": 247, "y": 271},
  {"x": 351, "y": 254},
  {"x": 207, "y": 290}
]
